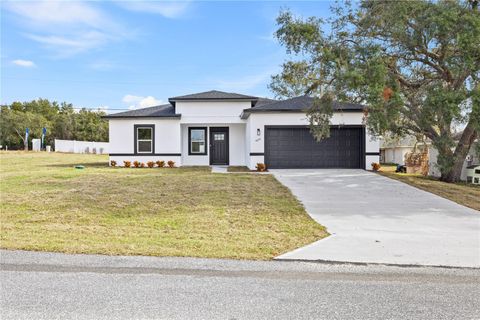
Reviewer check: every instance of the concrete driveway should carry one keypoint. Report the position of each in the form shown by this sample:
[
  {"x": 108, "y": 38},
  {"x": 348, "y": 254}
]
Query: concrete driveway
[{"x": 374, "y": 219}]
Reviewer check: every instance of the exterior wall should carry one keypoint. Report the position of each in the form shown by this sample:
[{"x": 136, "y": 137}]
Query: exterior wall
[
  {"x": 236, "y": 136},
  {"x": 167, "y": 140},
  {"x": 435, "y": 172},
  {"x": 260, "y": 120},
  {"x": 396, "y": 155},
  {"x": 211, "y": 112}
]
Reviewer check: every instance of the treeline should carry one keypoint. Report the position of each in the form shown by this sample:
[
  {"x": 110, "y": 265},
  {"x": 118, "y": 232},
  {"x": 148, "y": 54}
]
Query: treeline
[{"x": 62, "y": 121}]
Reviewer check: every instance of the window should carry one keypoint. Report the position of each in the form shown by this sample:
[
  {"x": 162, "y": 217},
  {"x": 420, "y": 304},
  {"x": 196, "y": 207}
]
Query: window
[
  {"x": 144, "y": 138},
  {"x": 219, "y": 136},
  {"x": 197, "y": 138}
]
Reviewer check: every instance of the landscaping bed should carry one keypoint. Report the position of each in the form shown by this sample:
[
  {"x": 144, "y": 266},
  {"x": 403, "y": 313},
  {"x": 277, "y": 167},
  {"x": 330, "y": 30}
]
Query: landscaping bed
[{"x": 48, "y": 205}]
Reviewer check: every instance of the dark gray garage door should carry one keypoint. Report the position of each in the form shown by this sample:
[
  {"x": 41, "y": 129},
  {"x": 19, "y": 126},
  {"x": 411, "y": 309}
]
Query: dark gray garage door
[{"x": 295, "y": 147}]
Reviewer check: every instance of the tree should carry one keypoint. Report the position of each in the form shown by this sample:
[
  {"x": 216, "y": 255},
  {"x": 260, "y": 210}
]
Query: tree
[
  {"x": 61, "y": 121},
  {"x": 90, "y": 126},
  {"x": 415, "y": 64},
  {"x": 14, "y": 124}
]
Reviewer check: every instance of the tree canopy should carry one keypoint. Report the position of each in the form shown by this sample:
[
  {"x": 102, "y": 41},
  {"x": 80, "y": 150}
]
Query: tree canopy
[
  {"x": 415, "y": 64},
  {"x": 61, "y": 121}
]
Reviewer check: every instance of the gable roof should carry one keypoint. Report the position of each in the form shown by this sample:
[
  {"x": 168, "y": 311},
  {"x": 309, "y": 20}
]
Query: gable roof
[
  {"x": 162, "y": 111},
  {"x": 213, "y": 95}
]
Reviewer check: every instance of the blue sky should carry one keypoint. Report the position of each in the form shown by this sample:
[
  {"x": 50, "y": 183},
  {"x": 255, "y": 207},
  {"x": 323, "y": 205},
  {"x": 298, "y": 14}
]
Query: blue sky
[{"x": 120, "y": 55}]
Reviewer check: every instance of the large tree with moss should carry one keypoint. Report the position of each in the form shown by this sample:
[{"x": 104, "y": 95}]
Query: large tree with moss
[{"x": 415, "y": 64}]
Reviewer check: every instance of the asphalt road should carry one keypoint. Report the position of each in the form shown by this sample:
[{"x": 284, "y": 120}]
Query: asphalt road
[{"x": 57, "y": 286}]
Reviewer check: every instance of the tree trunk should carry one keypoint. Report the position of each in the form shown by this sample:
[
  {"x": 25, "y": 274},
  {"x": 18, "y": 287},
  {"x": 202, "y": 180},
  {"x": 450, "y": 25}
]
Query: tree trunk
[{"x": 461, "y": 151}]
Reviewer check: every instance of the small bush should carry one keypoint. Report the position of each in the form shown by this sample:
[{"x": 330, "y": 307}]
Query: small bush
[
  {"x": 171, "y": 164},
  {"x": 127, "y": 164},
  {"x": 261, "y": 167},
  {"x": 160, "y": 164},
  {"x": 376, "y": 166},
  {"x": 136, "y": 164},
  {"x": 113, "y": 163},
  {"x": 142, "y": 165},
  {"x": 150, "y": 164}
]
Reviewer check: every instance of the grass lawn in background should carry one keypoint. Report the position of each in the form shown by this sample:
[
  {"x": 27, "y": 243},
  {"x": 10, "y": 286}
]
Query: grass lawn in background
[
  {"x": 461, "y": 192},
  {"x": 48, "y": 205}
]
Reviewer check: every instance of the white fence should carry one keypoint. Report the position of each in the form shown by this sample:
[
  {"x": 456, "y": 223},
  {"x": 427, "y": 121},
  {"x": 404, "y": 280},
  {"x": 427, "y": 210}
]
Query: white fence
[{"x": 74, "y": 146}]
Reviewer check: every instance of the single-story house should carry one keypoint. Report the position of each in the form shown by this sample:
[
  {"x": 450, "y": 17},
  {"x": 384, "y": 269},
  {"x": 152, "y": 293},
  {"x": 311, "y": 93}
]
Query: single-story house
[
  {"x": 472, "y": 158},
  {"x": 395, "y": 150},
  {"x": 221, "y": 128}
]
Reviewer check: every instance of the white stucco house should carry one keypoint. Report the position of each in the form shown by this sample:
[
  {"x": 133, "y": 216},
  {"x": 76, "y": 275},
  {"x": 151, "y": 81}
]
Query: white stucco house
[{"x": 221, "y": 128}]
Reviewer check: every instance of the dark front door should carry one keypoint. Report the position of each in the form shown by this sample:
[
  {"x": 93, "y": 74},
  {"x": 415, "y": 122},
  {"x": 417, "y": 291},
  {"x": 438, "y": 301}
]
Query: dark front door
[
  {"x": 219, "y": 145},
  {"x": 295, "y": 147}
]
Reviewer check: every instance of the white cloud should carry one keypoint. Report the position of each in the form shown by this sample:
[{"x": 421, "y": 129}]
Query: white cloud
[
  {"x": 66, "y": 27},
  {"x": 24, "y": 63},
  {"x": 138, "y": 102},
  {"x": 168, "y": 9},
  {"x": 56, "y": 12},
  {"x": 70, "y": 45}
]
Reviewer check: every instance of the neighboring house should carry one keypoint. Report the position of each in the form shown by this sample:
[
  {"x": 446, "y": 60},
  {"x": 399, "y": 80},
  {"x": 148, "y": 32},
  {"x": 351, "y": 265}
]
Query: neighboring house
[
  {"x": 394, "y": 150},
  {"x": 220, "y": 128},
  {"x": 471, "y": 159}
]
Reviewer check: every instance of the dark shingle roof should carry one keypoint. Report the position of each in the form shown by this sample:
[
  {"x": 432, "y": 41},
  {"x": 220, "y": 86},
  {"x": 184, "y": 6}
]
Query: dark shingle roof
[
  {"x": 297, "y": 104},
  {"x": 213, "y": 95},
  {"x": 163, "y": 111},
  {"x": 264, "y": 101},
  {"x": 302, "y": 103}
]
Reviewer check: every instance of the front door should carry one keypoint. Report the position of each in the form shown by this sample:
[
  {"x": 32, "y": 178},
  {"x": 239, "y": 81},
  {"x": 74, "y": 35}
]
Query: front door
[{"x": 219, "y": 145}]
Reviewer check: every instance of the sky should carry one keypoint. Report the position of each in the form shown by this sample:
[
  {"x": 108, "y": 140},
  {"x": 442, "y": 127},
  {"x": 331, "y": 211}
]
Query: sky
[{"x": 119, "y": 55}]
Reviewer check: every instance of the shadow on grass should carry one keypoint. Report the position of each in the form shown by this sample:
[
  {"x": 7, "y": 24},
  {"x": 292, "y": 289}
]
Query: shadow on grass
[{"x": 100, "y": 164}]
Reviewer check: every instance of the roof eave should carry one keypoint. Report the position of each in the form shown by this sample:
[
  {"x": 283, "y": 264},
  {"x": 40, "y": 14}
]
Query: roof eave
[
  {"x": 211, "y": 99},
  {"x": 175, "y": 116}
]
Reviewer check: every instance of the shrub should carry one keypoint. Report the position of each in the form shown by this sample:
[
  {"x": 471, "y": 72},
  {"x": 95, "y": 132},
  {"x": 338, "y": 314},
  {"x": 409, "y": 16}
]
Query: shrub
[
  {"x": 375, "y": 166},
  {"x": 113, "y": 163},
  {"x": 171, "y": 164},
  {"x": 261, "y": 167},
  {"x": 160, "y": 164},
  {"x": 150, "y": 164},
  {"x": 136, "y": 164},
  {"x": 127, "y": 164},
  {"x": 142, "y": 165}
]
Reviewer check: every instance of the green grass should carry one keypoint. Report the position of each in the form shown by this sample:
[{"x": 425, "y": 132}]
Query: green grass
[
  {"x": 48, "y": 205},
  {"x": 461, "y": 192},
  {"x": 238, "y": 169}
]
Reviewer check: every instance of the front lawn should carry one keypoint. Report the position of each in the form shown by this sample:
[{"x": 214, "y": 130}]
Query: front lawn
[
  {"x": 48, "y": 205},
  {"x": 461, "y": 193}
]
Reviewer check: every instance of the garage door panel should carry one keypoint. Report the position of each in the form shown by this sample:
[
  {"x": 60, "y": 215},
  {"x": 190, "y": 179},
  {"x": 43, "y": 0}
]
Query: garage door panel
[{"x": 293, "y": 147}]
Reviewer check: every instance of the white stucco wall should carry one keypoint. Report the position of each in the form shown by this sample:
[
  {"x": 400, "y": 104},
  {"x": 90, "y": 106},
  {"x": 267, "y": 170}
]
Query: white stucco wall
[
  {"x": 260, "y": 120},
  {"x": 167, "y": 140},
  {"x": 396, "y": 154},
  {"x": 236, "y": 136},
  {"x": 211, "y": 112}
]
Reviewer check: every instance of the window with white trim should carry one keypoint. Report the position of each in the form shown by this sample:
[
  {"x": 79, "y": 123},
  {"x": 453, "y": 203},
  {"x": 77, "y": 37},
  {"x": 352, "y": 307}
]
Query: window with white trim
[
  {"x": 144, "y": 139},
  {"x": 197, "y": 138}
]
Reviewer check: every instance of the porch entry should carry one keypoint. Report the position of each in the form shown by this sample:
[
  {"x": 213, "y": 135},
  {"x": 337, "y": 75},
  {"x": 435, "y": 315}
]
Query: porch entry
[{"x": 219, "y": 146}]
